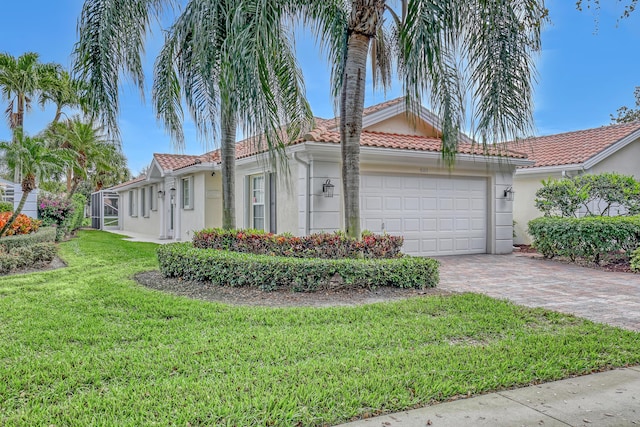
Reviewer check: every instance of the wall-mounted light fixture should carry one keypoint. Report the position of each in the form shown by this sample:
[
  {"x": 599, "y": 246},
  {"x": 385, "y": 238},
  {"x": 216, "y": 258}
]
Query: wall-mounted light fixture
[
  {"x": 509, "y": 193},
  {"x": 327, "y": 188},
  {"x": 160, "y": 194},
  {"x": 172, "y": 192}
]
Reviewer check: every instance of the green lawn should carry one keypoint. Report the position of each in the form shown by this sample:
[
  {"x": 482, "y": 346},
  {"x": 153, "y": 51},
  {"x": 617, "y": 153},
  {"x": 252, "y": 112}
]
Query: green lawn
[{"x": 86, "y": 345}]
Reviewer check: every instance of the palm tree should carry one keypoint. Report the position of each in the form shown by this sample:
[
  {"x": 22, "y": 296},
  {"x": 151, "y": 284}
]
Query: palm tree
[
  {"x": 232, "y": 61},
  {"x": 65, "y": 92},
  {"x": 92, "y": 151},
  {"x": 35, "y": 159},
  {"x": 448, "y": 49},
  {"x": 20, "y": 80}
]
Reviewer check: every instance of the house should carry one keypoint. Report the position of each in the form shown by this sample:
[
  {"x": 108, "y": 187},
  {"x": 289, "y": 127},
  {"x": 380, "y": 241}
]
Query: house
[
  {"x": 406, "y": 189},
  {"x": 12, "y": 192},
  {"x": 614, "y": 148}
]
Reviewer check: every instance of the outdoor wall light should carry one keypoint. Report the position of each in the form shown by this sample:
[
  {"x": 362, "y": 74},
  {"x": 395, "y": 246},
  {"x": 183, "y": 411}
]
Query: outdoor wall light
[
  {"x": 327, "y": 188},
  {"x": 508, "y": 193},
  {"x": 160, "y": 194},
  {"x": 172, "y": 192}
]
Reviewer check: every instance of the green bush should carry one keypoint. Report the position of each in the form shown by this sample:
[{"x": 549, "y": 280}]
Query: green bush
[
  {"x": 27, "y": 256},
  {"x": 589, "y": 194},
  {"x": 6, "y": 207},
  {"x": 44, "y": 234},
  {"x": 588, "y": 237},
  {"x": 301, "y": 274},
  {"x": 635, "y": 260},
  {"x": 320, "y": 245},
  {"x": 79, "y": 201}
]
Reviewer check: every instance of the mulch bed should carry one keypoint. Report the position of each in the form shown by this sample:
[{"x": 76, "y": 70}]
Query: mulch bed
[
  {"x": 250, "y": 296},
  {"x": 611, "y": 262},
  {"x": 38, "y": 268}
]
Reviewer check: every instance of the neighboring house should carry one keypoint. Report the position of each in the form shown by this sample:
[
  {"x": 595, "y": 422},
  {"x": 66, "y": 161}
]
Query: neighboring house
[
  {"x": 12, "y": 192},
  {"x": 405, "y": 188},
  {"x": 614, "y": 148}
]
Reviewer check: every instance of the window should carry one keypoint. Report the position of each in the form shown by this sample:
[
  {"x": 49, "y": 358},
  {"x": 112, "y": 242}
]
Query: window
[
  {"x": 257, "y": 202},
  {"x": 143, "y": 202},
  {"x": 133, "y": 203},
  {"x": 153, "y": 197},
  {"x": 187, "y": 193}
]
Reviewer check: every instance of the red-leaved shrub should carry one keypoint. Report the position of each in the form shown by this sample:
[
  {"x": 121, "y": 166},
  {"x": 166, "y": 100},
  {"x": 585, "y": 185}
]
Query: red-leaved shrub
[
  {"x": 22, "y": 225},
  {"x": 320, "y": 245}
]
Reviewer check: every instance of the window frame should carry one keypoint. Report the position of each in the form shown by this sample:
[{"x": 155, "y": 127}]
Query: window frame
[
  {"x": 253, "y": 202},
  {"x": 133, "y": 203},
  {"x": 189, "y": 202}
]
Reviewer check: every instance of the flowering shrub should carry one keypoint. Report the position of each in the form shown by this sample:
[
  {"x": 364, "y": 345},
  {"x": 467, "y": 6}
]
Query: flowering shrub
[
  {"x": 319, "y": 245},
  {"x": 54, "y": 210},
  {"x": 22, "y": 225}
]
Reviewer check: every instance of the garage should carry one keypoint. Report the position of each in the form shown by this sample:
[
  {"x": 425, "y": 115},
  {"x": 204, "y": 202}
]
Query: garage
[{"x": 436, "y": 215}]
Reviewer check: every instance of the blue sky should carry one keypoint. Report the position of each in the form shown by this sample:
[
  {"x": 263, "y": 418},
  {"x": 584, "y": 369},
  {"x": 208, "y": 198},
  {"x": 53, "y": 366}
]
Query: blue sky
[{"x": 588, "y": 67}]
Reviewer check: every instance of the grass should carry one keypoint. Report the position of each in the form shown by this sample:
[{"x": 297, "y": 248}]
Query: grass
[{"x": 86, "y": 345}]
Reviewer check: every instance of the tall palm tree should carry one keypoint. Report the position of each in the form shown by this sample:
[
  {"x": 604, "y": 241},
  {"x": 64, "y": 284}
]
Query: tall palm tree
[
  {"x": 35, "y": 159},
  {"x": 64, "y": 91},
  {"x": 448, "y": 49},
  {"x": 90, "y": 148},
  {"x": 21, "y": 80},
  {"x": 235, "y": 64},
  {"x": 231, "y": 60}
]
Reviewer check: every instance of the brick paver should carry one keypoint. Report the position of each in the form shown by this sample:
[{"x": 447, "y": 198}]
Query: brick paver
[{"x": 601, "y": 296}]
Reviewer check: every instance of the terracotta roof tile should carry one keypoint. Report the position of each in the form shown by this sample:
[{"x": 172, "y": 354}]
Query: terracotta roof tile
[
  {"x": 132, "y": 181},
  {"x": 572, "y": 147}
]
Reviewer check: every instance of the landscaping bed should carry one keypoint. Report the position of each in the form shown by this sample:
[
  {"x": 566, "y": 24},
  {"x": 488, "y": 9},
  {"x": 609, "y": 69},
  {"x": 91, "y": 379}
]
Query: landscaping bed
[{"x": 613, "y": 262}]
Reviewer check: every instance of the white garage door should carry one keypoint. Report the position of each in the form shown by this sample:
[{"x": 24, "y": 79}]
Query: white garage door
[{"x": 436, "y": 216}]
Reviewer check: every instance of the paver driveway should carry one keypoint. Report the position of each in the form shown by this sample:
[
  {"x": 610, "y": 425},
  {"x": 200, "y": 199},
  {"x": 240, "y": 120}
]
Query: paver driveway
[{"x": 601, "y": 296}]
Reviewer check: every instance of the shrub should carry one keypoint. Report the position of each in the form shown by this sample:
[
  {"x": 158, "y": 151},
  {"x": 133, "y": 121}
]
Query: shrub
[
  {"x": 44, "y": 234},
  {"x": 25, "y": 256},
  {"x": 635, "y": 260},
  {"x": 588, "y": 237},
  {"x": 589, "y": 195},
  {"x": 271, "y": 272},
  {"x": 54, "y": 210},
  {"x": 6, "y": 207},
  {"x": 22, "y": 225},
  {"x": 320, "y": 245},
  {"x": 79, "y": 201}
]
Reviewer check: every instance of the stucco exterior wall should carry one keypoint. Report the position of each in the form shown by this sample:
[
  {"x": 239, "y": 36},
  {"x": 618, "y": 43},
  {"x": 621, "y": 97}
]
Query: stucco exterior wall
[
  {"x": 287, "y": 198},
  {"x": 212, "y": 200},
  {"x": 524, "y": 209},
  {"x": 193, "y": 219},
  {"x": 140, "y": 224},
  {"x": 399, "y": 124},
  {"x": 625, "y": 161}
]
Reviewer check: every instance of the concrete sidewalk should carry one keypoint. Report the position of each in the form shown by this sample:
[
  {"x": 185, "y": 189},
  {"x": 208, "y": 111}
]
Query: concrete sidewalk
[{"x": 609, "y": 398}]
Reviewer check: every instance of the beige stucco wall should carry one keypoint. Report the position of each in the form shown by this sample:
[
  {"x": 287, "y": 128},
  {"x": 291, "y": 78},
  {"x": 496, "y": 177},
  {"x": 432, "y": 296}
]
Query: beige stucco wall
[
  {"x": 212, "y": 200},
  {"x": 140, "y": 224},
  {"x": 625, "y": 161},
  {"x": 193, "y": 219},
  {"x": 399, "y": 124},
  {"x": 524, "y": 209},
  {"x": 287, "y": 190}
]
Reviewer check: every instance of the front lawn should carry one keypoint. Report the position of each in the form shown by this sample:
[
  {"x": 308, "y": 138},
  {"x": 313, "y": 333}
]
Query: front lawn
[{"x": 86, "y": 345}]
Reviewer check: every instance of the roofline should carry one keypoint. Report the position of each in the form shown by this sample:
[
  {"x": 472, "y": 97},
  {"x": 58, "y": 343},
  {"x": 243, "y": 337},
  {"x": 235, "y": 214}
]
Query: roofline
[
  {"x": 550, "y": 169},
  {"x": 616, "y": 146}
]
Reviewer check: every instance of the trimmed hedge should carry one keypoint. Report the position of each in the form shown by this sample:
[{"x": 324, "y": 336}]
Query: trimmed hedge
[
  {"x": 588, "y": 237},
  {"x": 27, "y": 256},
  {"x": 319, "y": 245},
  {"x": 45, "y": 234},
  {"x": 635, "y": 260},
  {"x": 300, "y": 274}
]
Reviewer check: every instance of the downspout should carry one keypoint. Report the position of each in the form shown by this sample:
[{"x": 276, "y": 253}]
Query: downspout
[{"x": 307, "y": 215}]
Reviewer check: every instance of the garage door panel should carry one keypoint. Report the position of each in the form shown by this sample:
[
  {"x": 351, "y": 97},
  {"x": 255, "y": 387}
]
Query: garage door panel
[{"x": 436, "y": 216}]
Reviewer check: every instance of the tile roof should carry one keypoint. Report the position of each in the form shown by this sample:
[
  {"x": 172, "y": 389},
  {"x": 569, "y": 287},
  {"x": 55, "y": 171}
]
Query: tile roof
[
  {"x": 572, "y": 147},
  {"x": 326, "y": 130},
  {"x": 132, "y": 181}
]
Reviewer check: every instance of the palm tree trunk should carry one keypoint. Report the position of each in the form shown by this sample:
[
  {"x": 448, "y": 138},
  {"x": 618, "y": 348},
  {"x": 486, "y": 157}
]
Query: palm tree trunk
[
  {"x": 228, "y": 164},
  {"x": 9, "y": 223},
  {"x": 363, "y": 24}
]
